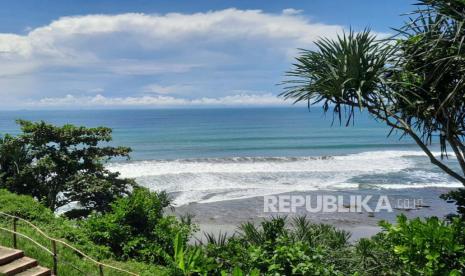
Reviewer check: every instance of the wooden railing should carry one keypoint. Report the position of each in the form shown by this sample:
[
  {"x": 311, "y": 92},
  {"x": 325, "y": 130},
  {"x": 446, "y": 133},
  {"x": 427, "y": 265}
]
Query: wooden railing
[{"x": 53, "y": 242}]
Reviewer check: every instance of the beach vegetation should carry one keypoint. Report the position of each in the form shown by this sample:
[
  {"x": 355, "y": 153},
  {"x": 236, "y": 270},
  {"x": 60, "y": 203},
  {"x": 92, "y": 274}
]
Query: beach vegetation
[
  {"x": 59, "y": 165},
  {"x": 63, "y": 229},
  {"x": 428, "y": 246},
  {"x": 136, "y": 235},
  {"x": 281, "y": 246},
  {"x": 135, "y": 228}
]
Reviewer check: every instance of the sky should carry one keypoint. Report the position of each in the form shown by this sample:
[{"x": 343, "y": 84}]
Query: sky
[{"x": 65, "y": 54}]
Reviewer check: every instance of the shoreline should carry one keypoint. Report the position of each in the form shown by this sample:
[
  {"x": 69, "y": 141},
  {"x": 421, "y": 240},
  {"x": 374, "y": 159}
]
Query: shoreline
[{"x": 226, "y": 216}]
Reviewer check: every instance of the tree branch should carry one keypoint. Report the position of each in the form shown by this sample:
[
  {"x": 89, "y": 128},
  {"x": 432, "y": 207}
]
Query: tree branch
[
  {"x": 434, "y": 160},
  {"x": 457, "y": 152},
  {"x": 404, "y": 126},
  {"x": 426, "y": 150}
]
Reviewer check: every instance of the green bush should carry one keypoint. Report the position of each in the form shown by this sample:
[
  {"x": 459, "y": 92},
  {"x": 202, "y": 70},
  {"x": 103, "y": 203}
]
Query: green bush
[
  {"x": 58, "y": 227},
  {"x": 426, "y": 247},
  {"x": 135, "y": 227},
  {"x": 64, "y": 229},
  {"x": 416, "y": 247},
  {"x": 189, "y": 260},
  {"x": 411, "y": 247},
  {"x": 277, "y": 247}
]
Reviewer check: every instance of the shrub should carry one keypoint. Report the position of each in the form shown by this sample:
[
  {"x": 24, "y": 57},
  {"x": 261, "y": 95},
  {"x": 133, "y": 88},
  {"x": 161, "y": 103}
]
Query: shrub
[
  {"x": 142, "y": 238},
  {"x": 279, "y": 247},
  {"x": 135, "y": 227},
  {"x": 189, "y": 260},
  {"x": 64, "y": 229},
  {"x": 417, "y": 247},
  {"x": 29, "y": 209}
]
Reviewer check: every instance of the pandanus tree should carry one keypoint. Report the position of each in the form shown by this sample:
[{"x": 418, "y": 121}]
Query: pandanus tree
[{"x": 414, "y": 81}]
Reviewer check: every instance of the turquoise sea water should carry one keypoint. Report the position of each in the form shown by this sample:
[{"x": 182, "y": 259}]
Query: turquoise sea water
[{"x": 204, "y": 155}]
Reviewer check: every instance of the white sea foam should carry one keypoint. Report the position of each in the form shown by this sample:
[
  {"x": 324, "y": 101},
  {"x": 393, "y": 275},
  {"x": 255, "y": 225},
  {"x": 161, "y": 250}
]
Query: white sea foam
[{"x": 218, "y": 179}]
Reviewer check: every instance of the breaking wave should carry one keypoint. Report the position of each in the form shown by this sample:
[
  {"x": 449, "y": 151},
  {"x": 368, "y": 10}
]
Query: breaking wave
[{"x": 217, "y": 179}]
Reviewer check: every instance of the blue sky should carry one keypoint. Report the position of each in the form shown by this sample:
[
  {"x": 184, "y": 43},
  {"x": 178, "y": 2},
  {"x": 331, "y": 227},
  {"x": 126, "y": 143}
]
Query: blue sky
[{"x": 111, "y": 54}]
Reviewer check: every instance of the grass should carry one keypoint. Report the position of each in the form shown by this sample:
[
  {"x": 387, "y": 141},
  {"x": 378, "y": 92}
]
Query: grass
[{"x": 69, "y": 262}]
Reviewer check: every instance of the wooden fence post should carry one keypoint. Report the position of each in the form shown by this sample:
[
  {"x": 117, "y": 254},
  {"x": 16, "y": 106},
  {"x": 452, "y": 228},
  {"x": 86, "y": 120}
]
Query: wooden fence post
[
  {"x": 55, "y": 260},
  {"x": 15, "y": 242},
  {"x": 100, "y": 268}
]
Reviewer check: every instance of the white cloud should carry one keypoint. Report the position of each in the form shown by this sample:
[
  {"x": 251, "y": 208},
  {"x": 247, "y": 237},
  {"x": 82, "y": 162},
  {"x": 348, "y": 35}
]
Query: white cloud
[
  {"x": 93, "y": 36},
  {"x": 215, "y": 52},
  {"x": 156, "y": 101},
  {"x": 154, "y": 31}
]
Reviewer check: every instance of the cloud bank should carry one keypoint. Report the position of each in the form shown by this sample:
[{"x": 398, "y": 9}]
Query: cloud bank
[
  {"x": 156, "y": 101},
  {"x": 134, "y": 58}
]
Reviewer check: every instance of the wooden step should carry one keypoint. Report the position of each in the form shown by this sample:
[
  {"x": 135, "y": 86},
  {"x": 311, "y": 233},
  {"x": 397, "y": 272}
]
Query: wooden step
[
  {"x": 35, "y": 271},
  {"x": 17, "y": 266},
  {"x": 8, "y": 255}
]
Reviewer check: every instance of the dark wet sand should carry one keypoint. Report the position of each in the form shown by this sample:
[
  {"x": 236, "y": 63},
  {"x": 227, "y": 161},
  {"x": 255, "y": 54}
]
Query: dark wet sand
[{"x": 225, "y": 216}]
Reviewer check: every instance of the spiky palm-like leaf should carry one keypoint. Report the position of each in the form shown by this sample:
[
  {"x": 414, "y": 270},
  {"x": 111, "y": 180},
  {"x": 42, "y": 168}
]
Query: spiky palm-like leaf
[
  {"x": 347, "y": 72},
  {"x": 414, "y": 83}
]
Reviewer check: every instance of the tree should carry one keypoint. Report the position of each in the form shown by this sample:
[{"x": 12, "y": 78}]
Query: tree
[
  {"x": 13, "y": 159},
  {"x": 59, "y": 165},
  {"x": 414, "y": 82}
]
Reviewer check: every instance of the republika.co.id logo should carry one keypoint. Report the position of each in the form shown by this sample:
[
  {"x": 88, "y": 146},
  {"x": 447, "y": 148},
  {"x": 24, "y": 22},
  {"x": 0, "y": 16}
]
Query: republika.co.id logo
[{"x": 333, "y": 203}]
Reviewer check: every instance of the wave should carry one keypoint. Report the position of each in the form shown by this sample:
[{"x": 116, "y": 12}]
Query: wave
[{"x": 216, "y": 179}]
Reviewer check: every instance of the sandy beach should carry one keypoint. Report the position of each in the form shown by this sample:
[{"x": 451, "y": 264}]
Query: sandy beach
[{"x": 226, "y": 216}]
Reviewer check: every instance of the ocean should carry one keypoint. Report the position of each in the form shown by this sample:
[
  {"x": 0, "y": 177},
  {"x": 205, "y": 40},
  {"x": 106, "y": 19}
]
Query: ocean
[{"x": 211, "y": 155}]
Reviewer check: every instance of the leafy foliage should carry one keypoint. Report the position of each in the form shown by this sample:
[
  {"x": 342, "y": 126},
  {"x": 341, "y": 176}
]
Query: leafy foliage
[
  {"x": 431, "y": 70},
  {"x": 63, "y": 229},
  {"x": 141, "y": 237},
  {"x": 189, "y": 260},
  {"x": 416, "y": 247},
  {"x": 59, "y": 165},
  {"x": 343, "y": 73},
  {"x": 279, "y": 247},
  {"x": 135, "y": 227},
  {"x": 299, "y": 247}
]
